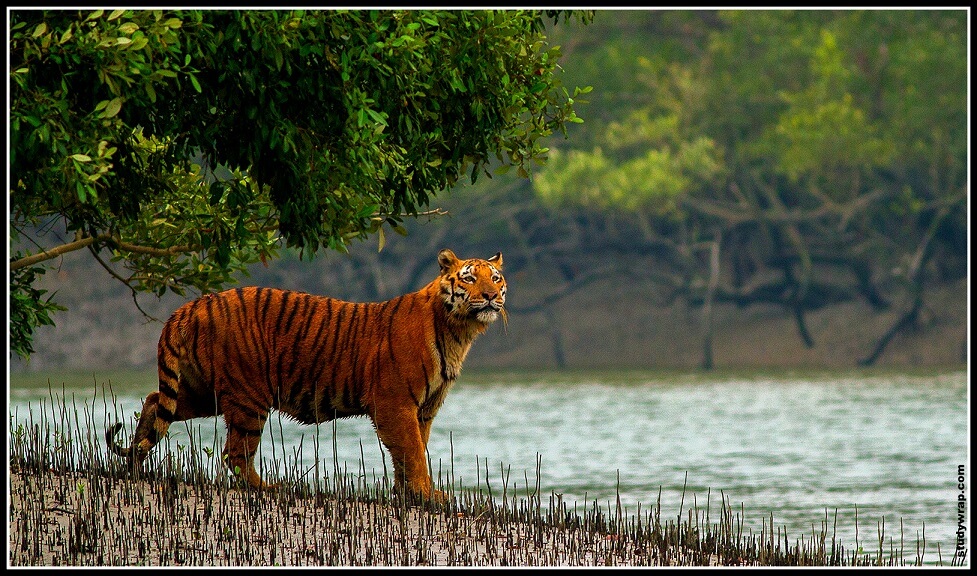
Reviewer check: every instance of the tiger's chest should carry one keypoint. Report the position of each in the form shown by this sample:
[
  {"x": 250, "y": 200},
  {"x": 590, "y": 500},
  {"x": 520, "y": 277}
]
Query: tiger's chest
[{"x": 447, "y": 354}]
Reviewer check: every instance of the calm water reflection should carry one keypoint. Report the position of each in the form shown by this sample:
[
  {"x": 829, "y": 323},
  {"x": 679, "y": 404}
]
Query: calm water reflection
[{"x": 792, "y": 445}]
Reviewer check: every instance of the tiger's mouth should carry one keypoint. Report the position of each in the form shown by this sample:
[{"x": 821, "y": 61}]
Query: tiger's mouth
[{"x": 488, "y": 312}]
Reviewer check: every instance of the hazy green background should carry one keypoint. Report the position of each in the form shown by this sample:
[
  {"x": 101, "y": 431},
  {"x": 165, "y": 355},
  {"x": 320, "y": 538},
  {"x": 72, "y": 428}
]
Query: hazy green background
[{"x": 823, "y": 153}]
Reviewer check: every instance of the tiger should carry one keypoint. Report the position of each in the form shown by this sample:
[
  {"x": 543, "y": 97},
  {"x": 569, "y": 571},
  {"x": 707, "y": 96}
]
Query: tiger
[{"x": 242, "y": 352}]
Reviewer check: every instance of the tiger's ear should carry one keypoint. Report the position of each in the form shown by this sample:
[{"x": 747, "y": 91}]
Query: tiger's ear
[
  {"x": 496, "y": 260},
  {"x": 447, "y": 260}
]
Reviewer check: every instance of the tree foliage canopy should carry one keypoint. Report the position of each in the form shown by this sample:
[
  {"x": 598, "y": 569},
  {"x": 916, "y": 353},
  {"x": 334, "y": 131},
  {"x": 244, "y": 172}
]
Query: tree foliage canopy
[{"x": 184, "y": 145}]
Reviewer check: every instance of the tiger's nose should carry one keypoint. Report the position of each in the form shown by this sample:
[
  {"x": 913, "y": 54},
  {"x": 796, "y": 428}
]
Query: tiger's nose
[{"x": 489, "y": 295}]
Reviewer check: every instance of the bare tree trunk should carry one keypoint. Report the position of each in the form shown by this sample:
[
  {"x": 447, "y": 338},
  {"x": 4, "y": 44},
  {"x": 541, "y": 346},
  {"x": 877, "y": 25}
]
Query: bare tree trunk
[
  {"x": 559, "y": 354},
  {"x": 707, "y": 327},
  {"x": 904, "y": 321},
  {"x": 916, "y": 275}
]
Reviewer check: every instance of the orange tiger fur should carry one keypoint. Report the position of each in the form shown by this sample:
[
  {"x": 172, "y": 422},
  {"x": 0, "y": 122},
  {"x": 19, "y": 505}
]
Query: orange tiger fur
[{"x": 242, "y": 352}]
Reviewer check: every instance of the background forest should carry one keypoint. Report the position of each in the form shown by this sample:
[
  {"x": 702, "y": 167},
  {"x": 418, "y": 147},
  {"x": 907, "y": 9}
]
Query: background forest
[{"x": 748, "y": 188}]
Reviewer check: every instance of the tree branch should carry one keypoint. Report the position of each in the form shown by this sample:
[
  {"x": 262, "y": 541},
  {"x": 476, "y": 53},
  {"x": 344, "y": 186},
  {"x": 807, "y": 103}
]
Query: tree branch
[
  {"x": 742, "y": 212},
  {"x": 172, "y": 250},
  {"x": 89, "y": 241},
  {"x": 113, "y": 273},
  {"x": 55, "y": 252},
  {"x": 916, "y": 278}
]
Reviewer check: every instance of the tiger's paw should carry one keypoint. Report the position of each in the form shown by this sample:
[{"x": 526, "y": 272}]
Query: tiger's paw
[
  {"x": 440, "y": 497},
  {"x": 430, "y": 498}
]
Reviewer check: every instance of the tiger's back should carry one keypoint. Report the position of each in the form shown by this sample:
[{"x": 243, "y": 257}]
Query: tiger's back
[
  {"x": 314, "y": 358},
  {"x": 245, "y": 351}
]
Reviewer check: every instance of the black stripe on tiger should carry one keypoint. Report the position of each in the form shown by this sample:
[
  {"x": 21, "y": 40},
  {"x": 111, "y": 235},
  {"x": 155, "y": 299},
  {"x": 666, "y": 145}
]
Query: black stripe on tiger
[
  {"x": 248, "y": 410},
  {"x": 299, "y": 367},
  {"x": 439, "y": 344},
  {"x": 317, "y": 364},
  {"x": 246, "y": 430},
  {"x": 167, "y": 390},
  {"x": 169, "y": 373},
  {"x": 286, "y": 363}
]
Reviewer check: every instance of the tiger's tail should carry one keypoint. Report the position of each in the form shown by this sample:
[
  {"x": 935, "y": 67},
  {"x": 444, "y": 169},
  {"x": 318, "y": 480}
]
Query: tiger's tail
[
  {"x": 116, "y": 448},
  {"x": 147, "y": 433}
]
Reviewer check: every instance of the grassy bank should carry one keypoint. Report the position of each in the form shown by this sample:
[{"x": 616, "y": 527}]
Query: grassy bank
[{"x": 73, "y": 504}]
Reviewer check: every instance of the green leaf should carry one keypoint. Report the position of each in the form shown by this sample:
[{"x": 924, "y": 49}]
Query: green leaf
[
  {"x": 81, "y": 157},
  {"x": 139, "y": 41},
  {"x": 279, "y": 60},
  {"x": 367, "y": 211},
  {"x": 112, "y": 108}
]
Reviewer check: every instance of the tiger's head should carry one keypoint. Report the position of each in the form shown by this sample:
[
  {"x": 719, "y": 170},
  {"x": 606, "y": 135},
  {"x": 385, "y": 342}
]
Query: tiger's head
[{"x": 474, "y": 288}]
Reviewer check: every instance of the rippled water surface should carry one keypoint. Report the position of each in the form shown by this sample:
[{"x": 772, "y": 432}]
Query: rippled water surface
[{"x": 794, "y": 445}]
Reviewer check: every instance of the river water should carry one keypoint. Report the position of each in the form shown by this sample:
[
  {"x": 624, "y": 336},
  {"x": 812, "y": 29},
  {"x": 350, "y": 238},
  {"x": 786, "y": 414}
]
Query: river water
[{"x": 806, "y": 448}]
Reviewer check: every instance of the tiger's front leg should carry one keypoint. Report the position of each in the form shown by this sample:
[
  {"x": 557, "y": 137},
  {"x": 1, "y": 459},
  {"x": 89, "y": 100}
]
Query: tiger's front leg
[
  {"x": 425, "y": 426},
  {"x": 400, "y": 432}
]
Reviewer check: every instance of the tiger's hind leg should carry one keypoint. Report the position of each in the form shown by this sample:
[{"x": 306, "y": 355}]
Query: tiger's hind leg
[
  {"x": 159, "y": 410},
  {"x": 154, "y": 421},
  {"x": 174, "y": 401},
  {"x": 243, "y": 436}
]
